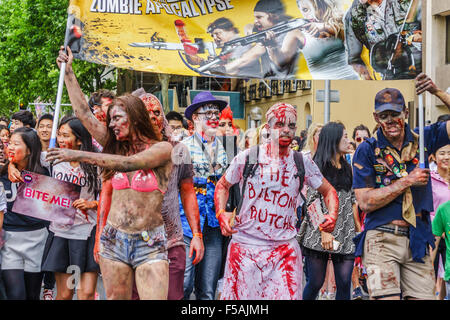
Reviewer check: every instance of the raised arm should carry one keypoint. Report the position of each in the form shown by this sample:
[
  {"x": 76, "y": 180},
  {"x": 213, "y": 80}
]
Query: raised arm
[
  {"x": 155, "y": 156},
  {"x": 425, "y": 83},
  {"x": 76, "y": 96}
]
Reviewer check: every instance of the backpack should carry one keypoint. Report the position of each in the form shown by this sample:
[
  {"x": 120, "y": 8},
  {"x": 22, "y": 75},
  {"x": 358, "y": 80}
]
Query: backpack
[{"x": 250, "y": 168}]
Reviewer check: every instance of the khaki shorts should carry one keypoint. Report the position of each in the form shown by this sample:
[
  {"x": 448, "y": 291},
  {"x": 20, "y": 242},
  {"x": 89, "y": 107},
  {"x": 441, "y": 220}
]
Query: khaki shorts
[{"x": 391, "y": 269}]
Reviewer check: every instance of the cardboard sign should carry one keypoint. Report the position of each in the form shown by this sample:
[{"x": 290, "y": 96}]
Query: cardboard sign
[
  {"x": 315, "y": 213},
  {"x": 46, "y": 198}
]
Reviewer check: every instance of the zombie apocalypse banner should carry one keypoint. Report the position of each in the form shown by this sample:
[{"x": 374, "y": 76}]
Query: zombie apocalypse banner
[
  {"x": 46, "y": 198},
  {"x": 279, "y": 39}
]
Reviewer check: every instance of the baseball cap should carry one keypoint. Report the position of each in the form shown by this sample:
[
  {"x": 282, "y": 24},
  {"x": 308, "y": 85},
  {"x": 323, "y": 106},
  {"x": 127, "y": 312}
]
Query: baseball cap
[{"x": 389, "y": 99}]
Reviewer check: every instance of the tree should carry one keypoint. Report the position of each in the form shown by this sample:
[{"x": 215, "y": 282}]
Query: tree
[{"x": 31, "y": 33}]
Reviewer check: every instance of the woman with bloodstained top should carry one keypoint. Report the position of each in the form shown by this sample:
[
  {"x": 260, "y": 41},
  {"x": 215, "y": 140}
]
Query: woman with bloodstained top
[
  {"x": 73, "y": 245},
  {"x": 24, "y": 236},
  {"x": 264, "y": 260},
  {"x": 318, "y": 245},
  {"x": 133, "y": 242}
]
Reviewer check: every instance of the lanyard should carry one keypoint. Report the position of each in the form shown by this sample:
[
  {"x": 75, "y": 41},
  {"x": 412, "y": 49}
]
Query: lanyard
[{"x": 205, "y": 152}]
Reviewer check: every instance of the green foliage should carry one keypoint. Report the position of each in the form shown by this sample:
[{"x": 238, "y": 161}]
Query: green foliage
[{"x": 32, "y": 32}]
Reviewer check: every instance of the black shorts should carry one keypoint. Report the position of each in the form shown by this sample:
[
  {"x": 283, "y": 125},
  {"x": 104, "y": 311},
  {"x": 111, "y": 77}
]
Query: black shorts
[{"x": 60, "y": 253}]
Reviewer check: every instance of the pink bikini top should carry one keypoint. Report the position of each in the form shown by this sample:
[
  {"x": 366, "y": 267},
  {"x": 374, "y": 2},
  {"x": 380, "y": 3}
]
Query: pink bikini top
[{"x": 142, "y": 181}]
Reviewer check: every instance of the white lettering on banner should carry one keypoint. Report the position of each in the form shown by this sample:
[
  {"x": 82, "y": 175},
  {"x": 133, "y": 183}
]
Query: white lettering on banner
[
  {"x": 183, "y": 9},
  {"x": 117, "y": 6}
]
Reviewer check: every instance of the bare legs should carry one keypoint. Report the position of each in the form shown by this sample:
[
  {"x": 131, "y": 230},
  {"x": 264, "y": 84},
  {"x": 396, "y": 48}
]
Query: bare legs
[{"x": 152, "y": 280}]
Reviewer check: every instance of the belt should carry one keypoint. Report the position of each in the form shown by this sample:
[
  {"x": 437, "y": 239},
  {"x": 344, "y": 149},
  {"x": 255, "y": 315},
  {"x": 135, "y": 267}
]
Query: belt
[{"x": 394, "y": 229}]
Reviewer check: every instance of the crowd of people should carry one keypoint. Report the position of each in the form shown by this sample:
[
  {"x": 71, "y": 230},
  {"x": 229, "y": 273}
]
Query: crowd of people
[{"x": 187, "y": 206}]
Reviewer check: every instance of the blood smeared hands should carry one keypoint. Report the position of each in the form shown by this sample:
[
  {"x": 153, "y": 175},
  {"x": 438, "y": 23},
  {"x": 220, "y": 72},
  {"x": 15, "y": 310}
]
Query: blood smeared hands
[
  {"x": 418, "y": 177},
  {"x": 14, "y": 174},
  {"x": 56, "y": 155},
  {"x": 424, "y": 83},
  {"x": 226, "y": 225},
  {"x": 328, "y": 224},
  {"x": 83, "y": 204},
  {"x": 197, "y": 247}
]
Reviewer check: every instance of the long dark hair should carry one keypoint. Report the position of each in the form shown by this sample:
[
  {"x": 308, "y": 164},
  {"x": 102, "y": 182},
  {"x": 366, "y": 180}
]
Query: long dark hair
[
  {"x": 140, "y": 128},
  {"x": 327, "y": 148},
  {"x": 31, "y": 140},
  {"x": 81, "y": 133}
]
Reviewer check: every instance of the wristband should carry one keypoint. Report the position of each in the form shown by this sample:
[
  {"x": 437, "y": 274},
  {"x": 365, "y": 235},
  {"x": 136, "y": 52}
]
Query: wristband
[
  {"x": 198, "y": 234},
  {"x": 219, "y": 213}
]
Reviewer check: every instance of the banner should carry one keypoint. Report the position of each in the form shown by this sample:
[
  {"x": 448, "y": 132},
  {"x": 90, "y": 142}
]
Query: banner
[
  {"x": 279, "y": 39},
  {"x": 46, "y": 198}
]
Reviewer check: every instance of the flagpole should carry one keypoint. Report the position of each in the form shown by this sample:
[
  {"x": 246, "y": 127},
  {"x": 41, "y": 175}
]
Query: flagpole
[
  {"x": 421, "y": 134},
  {"x": 62, "y": 72}
]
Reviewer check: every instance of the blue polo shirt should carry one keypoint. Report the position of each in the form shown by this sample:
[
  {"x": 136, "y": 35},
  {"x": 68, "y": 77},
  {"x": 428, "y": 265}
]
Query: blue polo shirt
[{"x": 367, "y": 174}]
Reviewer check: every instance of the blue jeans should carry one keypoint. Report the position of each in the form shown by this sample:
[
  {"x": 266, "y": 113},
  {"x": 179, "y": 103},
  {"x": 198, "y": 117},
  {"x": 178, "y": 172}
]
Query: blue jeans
[
  {"x": 316, "y": 268},
  {"x": 205, "y": 274}
]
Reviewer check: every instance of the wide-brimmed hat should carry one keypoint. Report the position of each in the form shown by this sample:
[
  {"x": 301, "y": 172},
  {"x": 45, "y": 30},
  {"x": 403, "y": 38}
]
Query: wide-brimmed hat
[{"x": 202, "y": 98}]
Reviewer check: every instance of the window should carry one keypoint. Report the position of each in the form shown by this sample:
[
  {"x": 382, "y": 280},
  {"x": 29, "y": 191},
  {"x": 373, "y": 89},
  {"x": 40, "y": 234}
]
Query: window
[{"x": 252, "y": 92}]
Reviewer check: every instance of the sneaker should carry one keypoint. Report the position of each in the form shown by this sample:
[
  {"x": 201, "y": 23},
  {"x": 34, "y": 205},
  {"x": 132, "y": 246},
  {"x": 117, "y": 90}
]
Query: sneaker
[
  {"x": 357, "y": 294},
  {"x": 48, "y": 294},
  {"x": 322, "y": 295},
  {"x": 331, "y": 296}
]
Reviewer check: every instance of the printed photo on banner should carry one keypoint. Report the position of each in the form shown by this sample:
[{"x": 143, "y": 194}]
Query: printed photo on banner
[
  {"x": 46, "y": 198},
  {"x": 278, "y": 39}
]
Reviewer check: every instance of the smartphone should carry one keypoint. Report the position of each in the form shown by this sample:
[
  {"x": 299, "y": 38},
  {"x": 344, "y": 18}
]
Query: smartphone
[{"x": 336, "y": 245}]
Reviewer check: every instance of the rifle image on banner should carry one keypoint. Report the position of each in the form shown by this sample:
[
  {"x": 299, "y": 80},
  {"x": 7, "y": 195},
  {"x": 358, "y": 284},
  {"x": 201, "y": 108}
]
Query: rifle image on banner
[
  {"x": 254, "y": 38},
  {"x": 157, "y": 43}
]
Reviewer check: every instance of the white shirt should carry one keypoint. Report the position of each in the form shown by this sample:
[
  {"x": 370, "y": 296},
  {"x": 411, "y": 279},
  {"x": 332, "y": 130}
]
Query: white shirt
[{"x": 271, "y": 197}]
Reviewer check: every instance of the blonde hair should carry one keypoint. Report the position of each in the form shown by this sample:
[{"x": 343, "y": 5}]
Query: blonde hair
[
  {"x": 309, "y": 143},
  {"x": 329, "y": 12}
]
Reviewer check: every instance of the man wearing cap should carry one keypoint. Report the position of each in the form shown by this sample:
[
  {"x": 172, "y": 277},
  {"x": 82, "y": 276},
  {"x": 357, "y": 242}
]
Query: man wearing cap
[
  {"x": 267, "y": 14},
  {"x": 209, "y": 161},
  {"x": 264, "y": 259},
  {"x": 396, "y": 195},
  {"x": 223, "y": 30}
]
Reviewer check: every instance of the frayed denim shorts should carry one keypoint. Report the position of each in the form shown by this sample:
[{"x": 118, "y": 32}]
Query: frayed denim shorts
[{"x": 134, "y": 249}]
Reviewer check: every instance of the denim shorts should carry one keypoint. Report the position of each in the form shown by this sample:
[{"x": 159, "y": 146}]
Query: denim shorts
[{"x": 134, "y": 249}]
